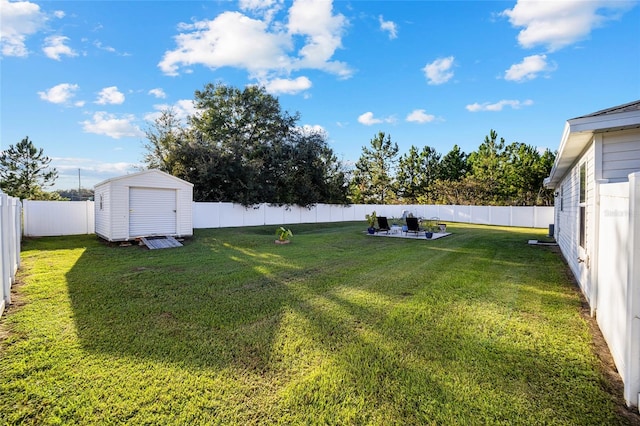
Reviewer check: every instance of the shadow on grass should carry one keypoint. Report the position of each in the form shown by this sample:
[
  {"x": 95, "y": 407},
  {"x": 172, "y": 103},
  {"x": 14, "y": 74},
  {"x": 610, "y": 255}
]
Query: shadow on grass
[{"x": 399, "y": 329}]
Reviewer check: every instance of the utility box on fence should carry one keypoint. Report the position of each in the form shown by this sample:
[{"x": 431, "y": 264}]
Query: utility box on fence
[{"x": 144, "y": 204}]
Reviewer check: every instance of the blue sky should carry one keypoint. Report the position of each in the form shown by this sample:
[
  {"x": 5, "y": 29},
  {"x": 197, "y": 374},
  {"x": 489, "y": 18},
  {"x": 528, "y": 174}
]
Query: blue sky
[{"x": 84, "y": 79}]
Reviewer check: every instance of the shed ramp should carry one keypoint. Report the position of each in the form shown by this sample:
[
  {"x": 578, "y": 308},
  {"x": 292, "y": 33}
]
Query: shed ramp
[{"x": 160, "y": 242}]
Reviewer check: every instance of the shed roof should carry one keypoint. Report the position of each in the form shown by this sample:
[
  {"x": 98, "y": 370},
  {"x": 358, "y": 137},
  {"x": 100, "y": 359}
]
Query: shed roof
[
  {"x": 579, "y": 131},
  {"x": 160, "y": 173}
]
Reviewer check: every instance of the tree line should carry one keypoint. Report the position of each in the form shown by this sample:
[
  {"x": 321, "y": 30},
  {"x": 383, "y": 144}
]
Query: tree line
[
  {"x": 242, "y": 147},
  {"x": 495, "y": 174}
]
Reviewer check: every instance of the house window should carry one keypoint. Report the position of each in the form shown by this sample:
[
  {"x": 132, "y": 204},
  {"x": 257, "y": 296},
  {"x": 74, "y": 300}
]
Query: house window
[
  {"x": 562, "y": 198},
  {"x": 582, "y": 206},
  {"x": 101, "y": 201}
]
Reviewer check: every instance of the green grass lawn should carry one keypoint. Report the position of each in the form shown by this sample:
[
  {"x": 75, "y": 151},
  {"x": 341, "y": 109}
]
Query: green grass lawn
[{"x": 334, "y": 328}]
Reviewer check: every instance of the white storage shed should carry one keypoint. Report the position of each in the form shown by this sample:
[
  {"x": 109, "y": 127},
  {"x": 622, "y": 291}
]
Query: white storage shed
[{"x": 148, "y": 203}]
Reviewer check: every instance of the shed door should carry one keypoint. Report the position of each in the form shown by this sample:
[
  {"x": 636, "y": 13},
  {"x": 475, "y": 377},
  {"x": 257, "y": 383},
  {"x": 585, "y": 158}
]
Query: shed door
[{"x": 152, "y": 211}]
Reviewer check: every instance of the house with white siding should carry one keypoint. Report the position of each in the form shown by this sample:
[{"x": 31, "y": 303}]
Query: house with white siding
[
  {"x": 144, "y": 204},
  {"x": 596, "y": 181}
]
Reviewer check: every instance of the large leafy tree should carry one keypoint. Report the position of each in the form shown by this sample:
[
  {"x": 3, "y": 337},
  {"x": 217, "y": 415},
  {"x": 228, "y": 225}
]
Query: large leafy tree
[
  {"x": 243, "y": 130},
  {"x": 241, "y": 147},
  {"x": 309, "y": 171},
  {"x": 373, "y": 175},
  {"x": 25, "y": 171},
  {"x": 165, "y": 137}
]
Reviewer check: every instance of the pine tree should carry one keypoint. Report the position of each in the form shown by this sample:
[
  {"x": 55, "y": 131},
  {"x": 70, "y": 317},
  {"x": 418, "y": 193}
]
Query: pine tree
[{"x": 24, "y": 171}]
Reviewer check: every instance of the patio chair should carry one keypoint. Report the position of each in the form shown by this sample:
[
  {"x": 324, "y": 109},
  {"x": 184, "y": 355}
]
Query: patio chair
[
  {"x": 412, "y": 225},
  {"x": 383, "y": 224}
]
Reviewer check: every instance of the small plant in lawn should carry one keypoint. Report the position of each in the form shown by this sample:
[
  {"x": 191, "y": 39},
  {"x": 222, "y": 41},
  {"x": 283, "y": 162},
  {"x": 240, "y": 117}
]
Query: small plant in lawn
[{"x": 283, "y": 235}]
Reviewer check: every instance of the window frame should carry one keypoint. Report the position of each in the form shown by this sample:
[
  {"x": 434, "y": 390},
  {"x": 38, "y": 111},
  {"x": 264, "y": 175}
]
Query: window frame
[{"x": 582, "y": 206}]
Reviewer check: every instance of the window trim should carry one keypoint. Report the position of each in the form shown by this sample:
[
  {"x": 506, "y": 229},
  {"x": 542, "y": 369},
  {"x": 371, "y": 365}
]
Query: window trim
[{"x": 582, "y": 206}]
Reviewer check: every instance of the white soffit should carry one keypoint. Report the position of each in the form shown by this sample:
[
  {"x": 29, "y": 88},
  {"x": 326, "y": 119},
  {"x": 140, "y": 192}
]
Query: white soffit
[{"x": 579, "y": 131}]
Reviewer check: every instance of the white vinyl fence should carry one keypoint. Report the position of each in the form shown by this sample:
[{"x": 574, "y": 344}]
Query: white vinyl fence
[
  {"x": 51, "y": 218},
  {"x": 10, "y": 233},
  {"x": 618, "y": 278}
]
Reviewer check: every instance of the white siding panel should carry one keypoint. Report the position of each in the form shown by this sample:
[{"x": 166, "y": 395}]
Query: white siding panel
[
  {"x": 152, "y": 211},
  {"x": 568, "y": 230},
  {"x": 102, "y": 197},
  {"x": 185, "y": 211},
  {"x": 119, "y": 211},
  {"x": 620, "y": 154}
]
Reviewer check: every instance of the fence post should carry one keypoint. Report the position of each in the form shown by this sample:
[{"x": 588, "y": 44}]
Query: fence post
[
  {"x": 632, "y": 353},
  {"x": 5, "y": 248},
  {"x": 88, "y": 214},
  {"x": 3, "y": 290},
  {"x": 10, "y": 235}
]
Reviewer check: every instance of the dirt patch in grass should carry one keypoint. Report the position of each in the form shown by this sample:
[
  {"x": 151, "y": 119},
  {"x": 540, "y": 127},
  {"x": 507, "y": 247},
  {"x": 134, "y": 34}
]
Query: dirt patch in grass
[
  {"x": 17, "y": 302},
  {"x": 613, "y": 381}
]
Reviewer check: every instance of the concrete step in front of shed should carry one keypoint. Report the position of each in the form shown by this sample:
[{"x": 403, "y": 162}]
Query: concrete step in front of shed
[{"x": 160, "y": 242}]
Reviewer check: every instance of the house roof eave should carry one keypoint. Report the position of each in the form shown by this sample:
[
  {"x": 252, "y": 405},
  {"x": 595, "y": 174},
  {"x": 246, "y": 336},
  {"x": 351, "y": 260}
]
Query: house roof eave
[{"x": 579, "y": 131}]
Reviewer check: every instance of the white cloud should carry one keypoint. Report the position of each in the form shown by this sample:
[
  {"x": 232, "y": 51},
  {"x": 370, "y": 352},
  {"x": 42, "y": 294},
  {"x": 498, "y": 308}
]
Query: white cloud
[
  {"x": 420, "y": 116},
  {"x": 110, "y": 95},
  {"x": 101, "y": 46},
  {"x": 557, "y": 24},
  {"x": 259, "y": 4},
  {"x": 439, "y": 71},
  {"x": 368, "y": 119},
  {"x": 60, "y": 93},
  {"x": 314, "y": 20},
  {"x": 158, "y": 93},
  {"x": 291, "y": 87},
  {"x": 55, "y": 47},
  {"x": 72, "y": 164},
  {"x": 265, "y": 8},
  {"x": 185, "y": 108},
  {"x": 265, "y": 49},
  {"x": 92, "y": 171},
  {"x": 232, "y": 39},
  {"x": 498, "y": 106},
  {"x": 182, "y": 110},
  {"x": 18, "y": 20},
  {"x": 103, "y": 123},
  {"x": 110, "y": 49},
  {"x": 529, "y": 68},
  {"x": 388, "y": 26}
]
